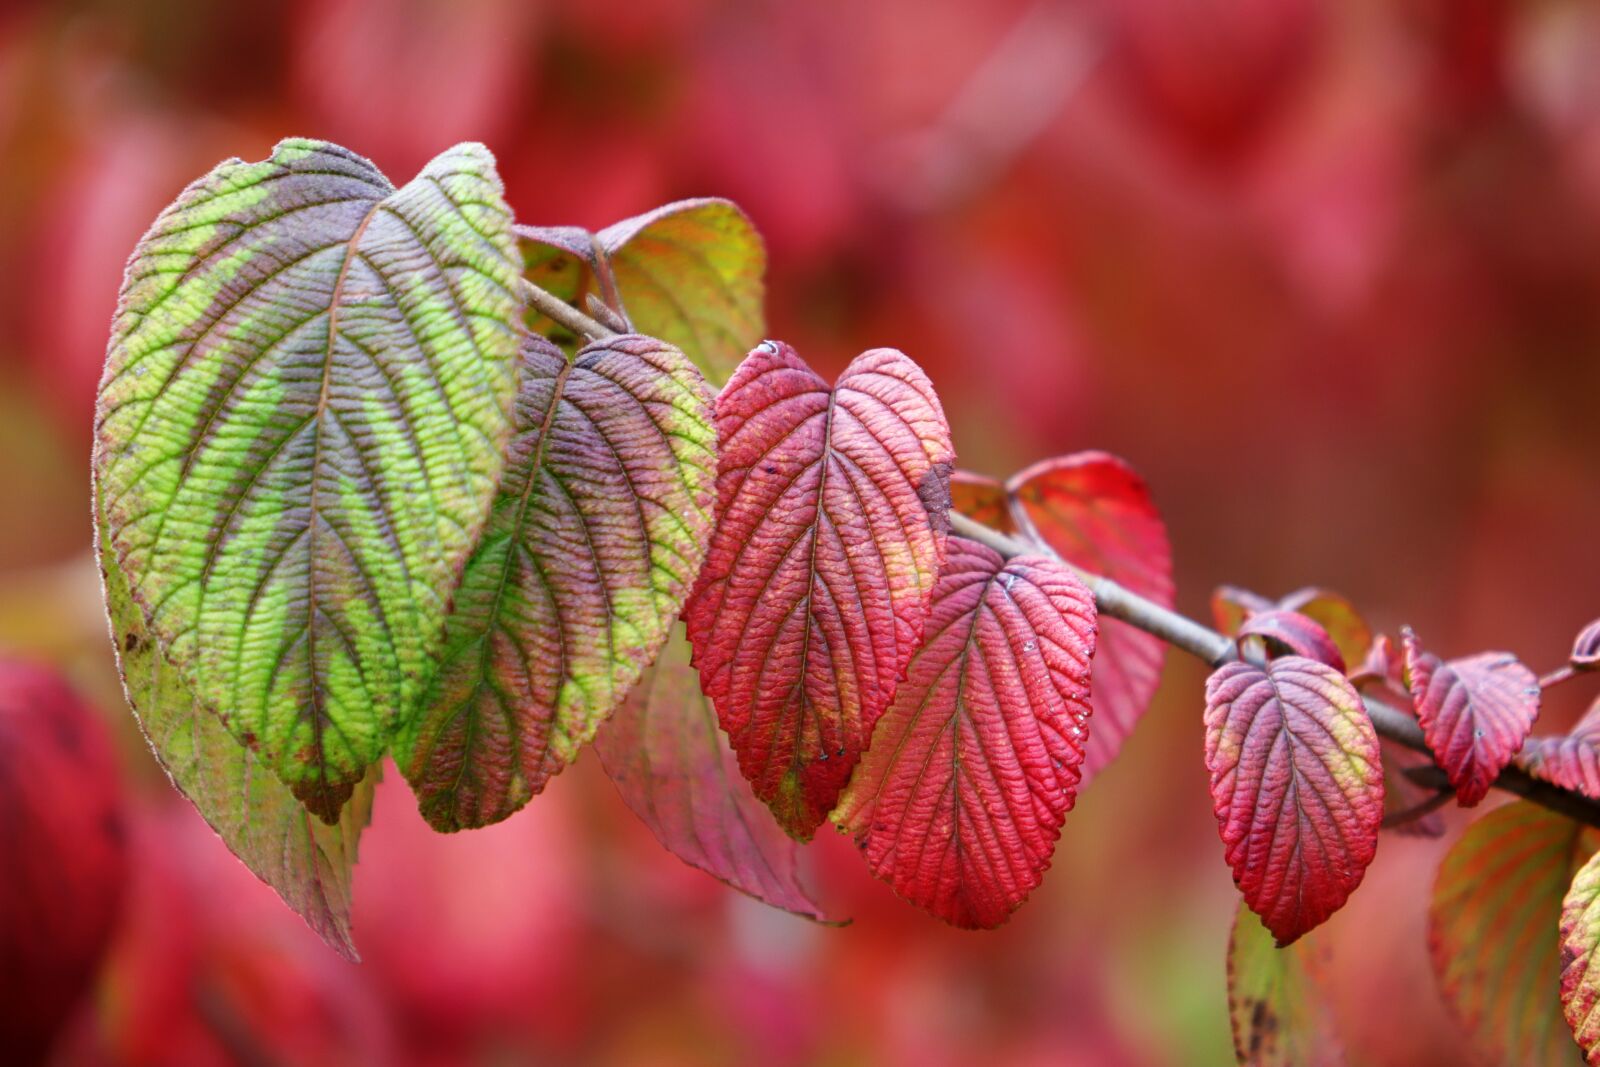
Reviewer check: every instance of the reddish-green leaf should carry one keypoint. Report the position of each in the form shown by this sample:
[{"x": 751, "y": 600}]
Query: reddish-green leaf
[
  {"x": 1475, "y": 712},
  {"x": 1279, "y": 1017},
  {"x": 960, "y": 799},
  {"x": 1094, "y": 511},
  {"x": 672, "y": 765},
  {"x": 1297, "y": 783},
  {"x": 981, "y": 499},
  {"x": 690, "y": 273},
  {"x": 1571, "y": 761},
  {"x": 1586, "y": 648},
  {"x": 1293, "y": 633},
  {"x": 1231, "y": 605},
  {"x": 1382, "y": 665},
  {"x": 1580, "y": 967},
  {"x": 831, "y": 516},
  {"x": 596, "y": 536},
  {"x": 1494, "y": 932}
]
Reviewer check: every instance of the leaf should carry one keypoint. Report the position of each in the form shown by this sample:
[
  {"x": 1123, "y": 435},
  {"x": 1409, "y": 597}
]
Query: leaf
[
  {"x": 960, "y": 799},
  {"x": 1294, "y": 633},
  {"x": 1493, "y": 930},
  {"x": 831, "y": 524},
  {"x": 1580, "y": 970},
  {"x": 1382, "y": 666},
  {"x": 291, "y": 513},
  {"x": 1279, "y": 1017},
  {"x": 1571, "y": 761},
  {"x": 595, "y": 539},
  {"x": 306, "y": 862},
  {"x": 672, "y": 764},
  {"x": 1093, "y": 510},
  {"x": 1297, "y": 783},
  {"x": 1475, "y": 712},
  {"x": 981, "y": 499},
  {"x": 1336, "y": 615},
  {"x": 1231, "y": 605},
  {"x": 691, "y": 273},
  {"x": 1402, "y": 798},
  {"x": 1586, "y": 648}
]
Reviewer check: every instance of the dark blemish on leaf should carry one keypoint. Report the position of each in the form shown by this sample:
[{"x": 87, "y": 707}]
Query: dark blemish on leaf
[
  {"x": 248, "y": 738},
  {"x": 131, "y": 642},
  {"x": 771, "y": 468}
]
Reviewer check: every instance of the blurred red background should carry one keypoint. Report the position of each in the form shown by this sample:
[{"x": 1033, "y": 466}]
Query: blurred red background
[{"x": 1327, "y": 274}]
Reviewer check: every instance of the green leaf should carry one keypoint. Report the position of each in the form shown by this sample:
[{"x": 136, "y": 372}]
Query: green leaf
[
  {"x": 298, "y": 436},
  {"x": 1494, "y": 931},
  {"x": 690, "y": 273},
  {"x": 597, "y": 535},
  {"x": 1279, "y": 1016},
  {"x": 1580, "y": 969},
  {"x": 307, "y": 862}
]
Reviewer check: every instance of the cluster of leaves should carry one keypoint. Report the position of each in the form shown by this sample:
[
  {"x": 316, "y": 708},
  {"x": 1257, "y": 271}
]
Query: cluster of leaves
[{"x": 1303, "y": 784}]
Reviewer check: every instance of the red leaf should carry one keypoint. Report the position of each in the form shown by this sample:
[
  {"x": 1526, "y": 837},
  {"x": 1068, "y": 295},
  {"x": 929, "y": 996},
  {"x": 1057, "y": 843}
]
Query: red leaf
[
  {"x": 1297, "y": 781},
  {"x": 1335, "y": 614},
  {"x": 1572, "y": 761},
  {"x": 960, "y": 799},
  {"x": 1295, "y": 633},
  {"x": 1094, "y": 511},
  {"x": 1383, "y": 665},
  {"x": 981, "y": 499},
  {"x": 673, "y": 767},
  {"x": 1231, "y": 606},
  {"x": 1475, "y": 712},
  {"x": 1580, "y": 966},
  {"x": 1586, "y": 648},
  {"x": 832, "y": 508}
]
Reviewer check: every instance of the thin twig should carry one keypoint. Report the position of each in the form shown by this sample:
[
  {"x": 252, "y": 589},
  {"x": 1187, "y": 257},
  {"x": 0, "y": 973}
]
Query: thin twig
[
  {"x": 1216, "y": 649},
  {"x": 553, "y": 307},
  {"x": 1556, "y": 677},
  {"x": 1424, "y": 808}
]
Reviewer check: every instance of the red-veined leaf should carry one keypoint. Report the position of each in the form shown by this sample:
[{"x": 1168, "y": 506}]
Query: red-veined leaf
[
  {"x": 1475, "y": 712},
  {"x": 1231, "y": 605},
  {"x": 1494, "y": 935},
  {"x": 1586, "y": 648},
  {"x": 1382, "y": 665},
  {"x": 981, "y": 499},
  {"x": 1095, "y": 511},
  {"x": 1571, "y": 761},
  {"x": 1580, "y": 969},
  {"x": 1294, "y": 633},
  {"x": 960, "y": 799},
  {"x": 1297, "y": 783},
  {"x": 672, "y": 765},
  {"x": 831, "y": 525},
  {"x": 1336, "y": 615},
  {"x": 690, "y": 273},
  {"x": 1279, "y": 1017},
  {"x": 596, "y": 537}
]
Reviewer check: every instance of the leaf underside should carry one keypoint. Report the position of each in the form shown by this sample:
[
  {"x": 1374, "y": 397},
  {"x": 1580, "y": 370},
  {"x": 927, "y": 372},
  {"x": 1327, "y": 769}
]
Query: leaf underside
[
  {"x": 595, "y": 539},
  {"x": 307, "y": 862},
  {"x": 1279, "y": 1017},
  {"x": 1094, "y": 510},
  {"x": 1475, "y": 713},
  {"x": 672, "y": 765},
  {"x": 298, "y": 435},
  {"x": 1571, "y": 761},
  {"x": 1494, "y": 931},
  {"x": 1580, "y": 965},
  {"x": 690, "y": 273},
  {"x": 960, "y": 799},
  {"x": 1295, "y": 633},
  {"x": 831, "y": 514},
  {"x": 1297, "y": 783}
]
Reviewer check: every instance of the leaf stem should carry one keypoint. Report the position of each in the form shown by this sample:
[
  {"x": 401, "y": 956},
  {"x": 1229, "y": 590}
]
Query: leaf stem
[
  {"x": 1556, "y": 677},
  {"x": 557, "y": 309},
  {"x": 1215, "y": 649}
]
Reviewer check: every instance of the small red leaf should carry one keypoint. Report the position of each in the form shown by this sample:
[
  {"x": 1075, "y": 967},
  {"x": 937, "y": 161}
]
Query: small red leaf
[
  {"x": 1571, "y": 761},
  {"x": 1586, "y": 648},
  {"x": 1383, "y": 664},
  {"x": 1231, "y": 605},
  {"x": 1335, "y": 614},
  {"x": 1475, "y": 712},
  {"x": 981, "y": 499},
  {"x": 832, "y": 510},
  {"x": 1294, "y": 633},
  {"x": 960, "y": 799},
  {"x": 1297, "y": 781},
  {"x": 672, "y": 765},
  {"x": 1095, "y": 511}
]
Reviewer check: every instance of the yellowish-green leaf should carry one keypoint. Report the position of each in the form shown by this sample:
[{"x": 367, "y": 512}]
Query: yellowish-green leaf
[{"x": 1279, "y": 1016}]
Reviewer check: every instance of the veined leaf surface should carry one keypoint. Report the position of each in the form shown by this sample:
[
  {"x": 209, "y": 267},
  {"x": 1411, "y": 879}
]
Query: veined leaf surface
[
  {"x": 1494, "y": 931},
  {"x": 1279, "y": 1017},
  {"x": 1571, "y": 761},
  {"x": 1475, "y": 712},
  {"x": 1580, "y": 967},
  {"x": 831, "y": 525},
  {"x": 298, "y": 435},
  {"x": 306, "y": 861},
  {"x": 691, "y": 273},
  {"x": 598, "y": 531},
  {"x": 1295, "y": 633},
  {"x": 671, "y": 762},
  {"x": 1297, "y": 783},
  {"x": 960, "y": 799}
]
